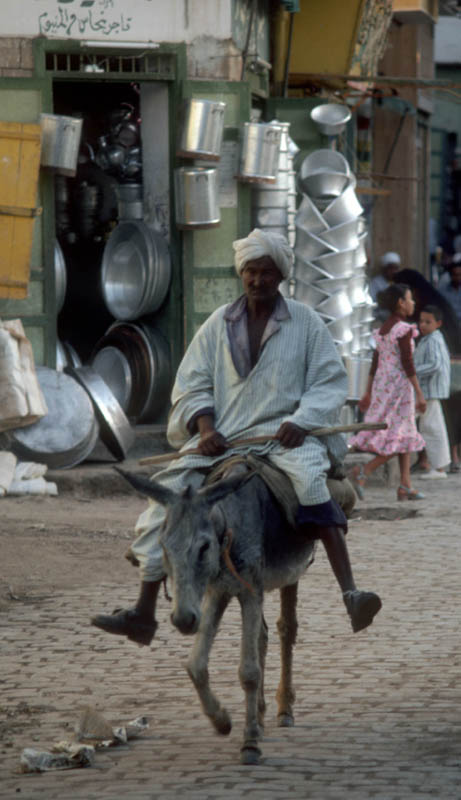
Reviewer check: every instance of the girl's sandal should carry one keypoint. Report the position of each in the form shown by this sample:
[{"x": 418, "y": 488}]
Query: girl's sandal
[
  {"x": 358, "y": 478},
  {"x": 404, "y": 493}
]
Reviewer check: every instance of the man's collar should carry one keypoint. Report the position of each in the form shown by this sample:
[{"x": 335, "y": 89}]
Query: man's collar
[{"x": 237, "y": 309}]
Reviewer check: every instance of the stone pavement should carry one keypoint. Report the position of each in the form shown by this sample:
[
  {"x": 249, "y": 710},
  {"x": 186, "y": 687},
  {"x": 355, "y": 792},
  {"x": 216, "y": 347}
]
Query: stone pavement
[{"x": 377, "y": 713}]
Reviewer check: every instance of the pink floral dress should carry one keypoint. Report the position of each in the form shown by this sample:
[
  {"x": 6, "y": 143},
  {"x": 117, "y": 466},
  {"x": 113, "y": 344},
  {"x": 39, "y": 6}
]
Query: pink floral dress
[{"x": 392, "y": 400}]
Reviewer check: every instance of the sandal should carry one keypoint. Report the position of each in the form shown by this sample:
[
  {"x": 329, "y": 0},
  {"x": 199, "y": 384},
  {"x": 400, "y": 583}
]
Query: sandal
[
  {"x": 404, "y": 493},
  {"x": 358, "y": 478},
  {"x": 454, "y": 467}
]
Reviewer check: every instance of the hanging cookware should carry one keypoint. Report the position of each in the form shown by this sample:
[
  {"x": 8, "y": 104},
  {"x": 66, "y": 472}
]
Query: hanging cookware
[
  {"x": 60, "y": 143},
  {"x": 201, "y": 129},
  {"x": 196, "y": 197},
  {"x": 259, "y": 152},
  {"x": 136, "y": 270}
]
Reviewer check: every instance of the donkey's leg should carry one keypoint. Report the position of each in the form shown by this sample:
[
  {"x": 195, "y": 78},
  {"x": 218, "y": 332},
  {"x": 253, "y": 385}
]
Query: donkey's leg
[
  {"x": 250, "y": 675},
  {"x": 263, "y": 639},
  {"x": 287, "y": 626},
  {"x": 197, "y": 665}
]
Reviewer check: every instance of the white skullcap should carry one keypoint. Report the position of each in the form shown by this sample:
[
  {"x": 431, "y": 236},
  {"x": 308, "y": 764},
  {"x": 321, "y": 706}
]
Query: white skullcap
[
  {"x": 260, "y": 243},
  {"x": 390, "y": 258}
]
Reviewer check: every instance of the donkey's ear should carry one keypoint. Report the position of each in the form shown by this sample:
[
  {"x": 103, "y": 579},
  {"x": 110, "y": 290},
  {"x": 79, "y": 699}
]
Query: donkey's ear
[{"x": 148, "y": 488}]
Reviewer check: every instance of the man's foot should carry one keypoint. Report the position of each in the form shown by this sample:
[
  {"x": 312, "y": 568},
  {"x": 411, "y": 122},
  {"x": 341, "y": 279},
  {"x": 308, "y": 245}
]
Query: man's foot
[
  {"x": 433, "y": 475},
  {"x": 362, "y": 607},
  {"x": 126, "y": 622}
]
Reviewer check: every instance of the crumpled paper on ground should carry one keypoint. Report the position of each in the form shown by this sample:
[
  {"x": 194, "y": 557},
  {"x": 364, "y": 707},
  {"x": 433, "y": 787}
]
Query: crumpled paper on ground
[
  {"x": 91, "y": 727},
  {"x": 21, "y": 398},
  {"x": 23, "y": 477}
]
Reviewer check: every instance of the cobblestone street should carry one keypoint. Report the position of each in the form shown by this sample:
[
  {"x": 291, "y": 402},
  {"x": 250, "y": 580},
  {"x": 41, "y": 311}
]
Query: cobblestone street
[{"x": 377, "y": 713}]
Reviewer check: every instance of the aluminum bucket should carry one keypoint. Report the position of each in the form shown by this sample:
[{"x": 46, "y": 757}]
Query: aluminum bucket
[
  {"x": 60, "y": 143},
  {"x": 307, "y": 272},
  {"x": 308, "y": 293},
  {"x": 342, "y": 237},
  {"x": 336, "y": 265},
  {"x": 271, "y": 197},
  {"x": 259, "y": 154},
  {"x": 335, "y": 306},
  {"x": 340, "y": 330},
  {"x": 201, "y": 129},
  {"x": 357, "y": 376},
  {"x": 343, "y": 208},
  {"x": 196, "y": 197}
]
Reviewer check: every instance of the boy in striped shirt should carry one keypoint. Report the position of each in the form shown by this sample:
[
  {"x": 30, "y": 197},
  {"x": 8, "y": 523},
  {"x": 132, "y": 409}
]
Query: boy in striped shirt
[{"x": 432, "y": 365}]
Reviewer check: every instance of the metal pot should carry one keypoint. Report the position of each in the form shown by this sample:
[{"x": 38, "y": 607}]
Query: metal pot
[
  {"x": 60, "y": 143},
  {"x": 201, "y": 129},
  {"x": 259, "y": 154},
  {"x": 129, "y": 201},
  {"x": 196, "y": 197}
]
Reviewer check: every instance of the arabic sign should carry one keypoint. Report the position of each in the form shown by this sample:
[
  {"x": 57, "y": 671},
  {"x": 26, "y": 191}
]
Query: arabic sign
[{"x": 137, "y": 20}]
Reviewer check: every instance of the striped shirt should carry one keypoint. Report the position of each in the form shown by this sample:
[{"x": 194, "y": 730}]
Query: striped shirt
[{"x": 432, "y": 364}]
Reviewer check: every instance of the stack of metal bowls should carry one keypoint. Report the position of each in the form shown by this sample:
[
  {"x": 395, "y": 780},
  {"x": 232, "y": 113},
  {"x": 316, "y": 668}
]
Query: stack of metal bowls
[
  {"x": 274, "y": 205},
  {"x": 330, "y": 253}
]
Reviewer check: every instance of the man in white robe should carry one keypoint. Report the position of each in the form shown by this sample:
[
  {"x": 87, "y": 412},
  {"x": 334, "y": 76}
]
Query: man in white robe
[{"x": 263, "y": 365}]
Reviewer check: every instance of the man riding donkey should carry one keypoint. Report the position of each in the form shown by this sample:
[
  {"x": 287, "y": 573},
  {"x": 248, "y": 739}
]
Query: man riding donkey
[{"x": 264, "y": 365}]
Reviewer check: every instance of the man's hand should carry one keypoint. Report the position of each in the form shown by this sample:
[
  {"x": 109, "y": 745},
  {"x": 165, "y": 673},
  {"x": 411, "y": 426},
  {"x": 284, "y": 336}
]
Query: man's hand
[
  {"x": 212, "y": 443},
  {"x": 290, "y": 435}
]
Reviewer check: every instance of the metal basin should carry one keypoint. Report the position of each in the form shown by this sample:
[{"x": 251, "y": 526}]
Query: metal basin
[
  {"x": 332, "y": 285},
  {"x": 60, "y": 276},
  {"x": 309, "y": 217},
  {"x": 331, "y": 118},
  {"x": 361, "y": 256},
  {"x": 114, "y": 368},
  {"x": 335, "y": 306},
  {"x": 201, "y": 129},
  {"x": 67, "y": 434},
  {"x": 342, "y": 237},
  {"x": 115, "y": 429},
  {"x": 356, "y": 291},
  {"x": 323, "y": 185},
  {"x": 336, "y": 265},
  {"x": 307, "y": 271},
  {"x": 308, "y": 293},
  {"x": 136, "y": 270},
  {"x": 309, "y": 246},
  {"x": 344, "y": 208},
  {"x": 340, "y": 329},
  {"x": 324, "y": 159}
]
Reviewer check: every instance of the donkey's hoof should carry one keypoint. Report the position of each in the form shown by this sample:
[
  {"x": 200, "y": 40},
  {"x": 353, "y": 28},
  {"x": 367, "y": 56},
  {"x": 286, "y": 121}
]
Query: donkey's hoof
[
  {"x": 285, "y": 720},
  {"x": 250, "y": 756},
  {"x": 222, "y": 722}
]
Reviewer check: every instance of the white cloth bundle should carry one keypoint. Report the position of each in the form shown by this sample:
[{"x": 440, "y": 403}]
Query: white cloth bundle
[{"x": 260, "y": 243}]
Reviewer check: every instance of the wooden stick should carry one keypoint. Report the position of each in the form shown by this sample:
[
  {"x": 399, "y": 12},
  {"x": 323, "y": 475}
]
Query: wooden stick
[{"x": 358, "y": 426}]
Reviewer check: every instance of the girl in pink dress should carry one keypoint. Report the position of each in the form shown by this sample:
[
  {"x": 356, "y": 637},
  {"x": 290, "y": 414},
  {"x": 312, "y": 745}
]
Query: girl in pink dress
[{"x": 392, "y": 395}]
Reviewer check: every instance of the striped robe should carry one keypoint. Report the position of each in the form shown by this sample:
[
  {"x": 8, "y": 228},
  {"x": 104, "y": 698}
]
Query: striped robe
[
  {"x": 299, "y": 377},
  {"x": 432, "y": 365}
]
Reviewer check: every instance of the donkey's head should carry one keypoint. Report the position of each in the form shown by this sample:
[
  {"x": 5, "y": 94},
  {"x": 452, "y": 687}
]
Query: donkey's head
[{"x": 192, "y": 537}]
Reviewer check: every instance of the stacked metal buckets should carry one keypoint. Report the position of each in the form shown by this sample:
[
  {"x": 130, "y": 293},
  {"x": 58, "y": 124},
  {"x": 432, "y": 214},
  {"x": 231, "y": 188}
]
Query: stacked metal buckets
[
  {"x": 274, "y": 204},
  {"x": 330, "y": 258}
]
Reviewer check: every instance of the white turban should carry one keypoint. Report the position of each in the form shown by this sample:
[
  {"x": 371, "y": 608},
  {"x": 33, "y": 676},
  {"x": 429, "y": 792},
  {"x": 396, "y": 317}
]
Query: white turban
[{"x": 260, "y": 243}]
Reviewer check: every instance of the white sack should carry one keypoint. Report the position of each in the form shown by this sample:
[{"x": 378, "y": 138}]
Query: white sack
[{"x": 21, "y": 398}]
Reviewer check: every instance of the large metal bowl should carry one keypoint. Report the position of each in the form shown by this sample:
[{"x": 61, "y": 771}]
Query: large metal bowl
[
  {"x": 336, "y": 265},
  {"x": 332, "y": 285},
  {"x": 331, "y": 118},
  {"x": 136, "y": 270},
  {"x": 307, "y": 271},
  {"x": 340, "y": 329},
  {"x": 115, "y": 429},
  {"x": 335, "y": 306},
  {"x": 344, "y": 208},
  {"x": 309, "y": 217},
  {"x": 309, "y": 246},
  {"x": 308, "y": 293},
  {"x": 67, "y": 434},
  {"x": 114, "y": 368},
  {"x": 323, "y": 185},
  {"x": 342, "y": 237},
  {"x": 361, "y": 256},
  {"x": 60, "y": 276},
  {"x": 324, "y": 159}
]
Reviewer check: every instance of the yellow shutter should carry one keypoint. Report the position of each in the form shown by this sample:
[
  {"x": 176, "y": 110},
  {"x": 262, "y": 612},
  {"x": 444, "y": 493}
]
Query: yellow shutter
[{"x": 19, "y": 168}]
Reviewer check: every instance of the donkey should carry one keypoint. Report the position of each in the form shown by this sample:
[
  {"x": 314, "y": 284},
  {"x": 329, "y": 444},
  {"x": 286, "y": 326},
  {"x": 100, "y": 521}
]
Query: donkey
[{"x": 229, "y": 540}]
